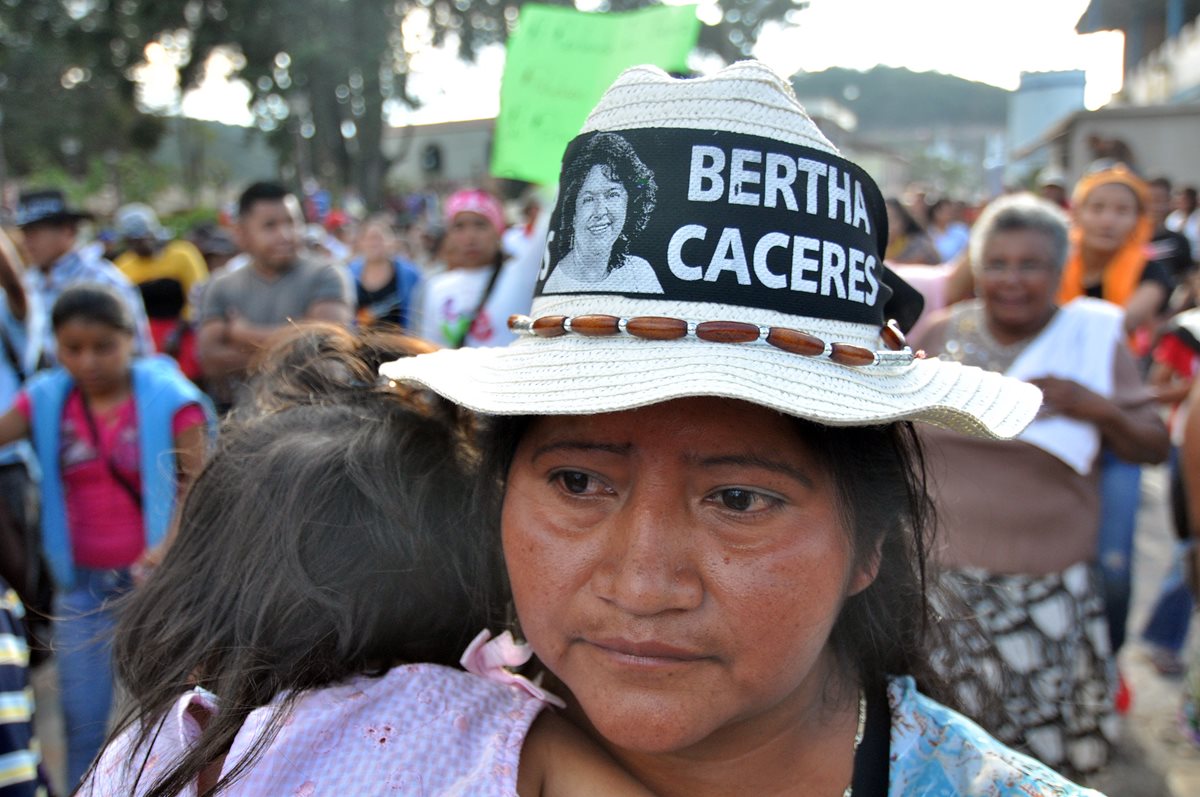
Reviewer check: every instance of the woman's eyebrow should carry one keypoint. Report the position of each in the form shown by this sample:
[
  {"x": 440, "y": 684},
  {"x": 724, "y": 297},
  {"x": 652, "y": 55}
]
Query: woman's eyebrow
[
  {"x": 583, "y": 446},
  {"x": 756, "y": 461}
]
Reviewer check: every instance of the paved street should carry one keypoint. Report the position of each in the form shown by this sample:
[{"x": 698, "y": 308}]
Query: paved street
[{"x": 1153, "y": 761}]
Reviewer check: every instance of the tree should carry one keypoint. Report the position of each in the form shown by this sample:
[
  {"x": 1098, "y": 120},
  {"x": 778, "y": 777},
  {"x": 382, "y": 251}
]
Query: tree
[
  {"x": 66, "y": 104},
  {"x": 325, "y": 73}
]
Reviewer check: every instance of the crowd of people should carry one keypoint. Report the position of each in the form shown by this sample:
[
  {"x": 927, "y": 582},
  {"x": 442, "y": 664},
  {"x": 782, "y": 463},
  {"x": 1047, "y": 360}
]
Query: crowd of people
[{"x": 560, "y": 507}]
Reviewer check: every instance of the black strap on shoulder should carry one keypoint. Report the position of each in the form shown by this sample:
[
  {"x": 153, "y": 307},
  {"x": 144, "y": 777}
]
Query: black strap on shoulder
[
  {"x": 873, "y": 758},
  {"x": 119, "y": 477},
  {"x": 487, "y": 294}
]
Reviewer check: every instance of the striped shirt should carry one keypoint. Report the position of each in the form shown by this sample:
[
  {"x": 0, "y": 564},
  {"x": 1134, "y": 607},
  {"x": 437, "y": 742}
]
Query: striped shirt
[{"x": 18, "y": 748}]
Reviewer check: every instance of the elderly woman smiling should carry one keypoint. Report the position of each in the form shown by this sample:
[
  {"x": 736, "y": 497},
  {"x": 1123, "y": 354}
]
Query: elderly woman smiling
[
  {"x": 713, "y": 510},
  {"x": 1026, "y": 567}
]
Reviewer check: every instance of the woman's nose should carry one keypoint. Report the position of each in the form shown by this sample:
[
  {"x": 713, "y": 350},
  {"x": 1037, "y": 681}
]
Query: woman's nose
[{"x": 649, "y": 566}]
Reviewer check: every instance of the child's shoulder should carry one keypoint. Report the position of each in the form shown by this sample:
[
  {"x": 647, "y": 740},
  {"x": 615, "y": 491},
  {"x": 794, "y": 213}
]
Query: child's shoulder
[{"x": 416, "y": 724}]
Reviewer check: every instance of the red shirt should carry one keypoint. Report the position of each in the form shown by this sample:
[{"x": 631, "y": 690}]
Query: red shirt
[{"x": 105, "y": 521}]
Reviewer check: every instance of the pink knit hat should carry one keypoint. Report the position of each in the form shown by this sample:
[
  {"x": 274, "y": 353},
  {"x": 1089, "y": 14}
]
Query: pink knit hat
[{"x": 473, "y": 200}]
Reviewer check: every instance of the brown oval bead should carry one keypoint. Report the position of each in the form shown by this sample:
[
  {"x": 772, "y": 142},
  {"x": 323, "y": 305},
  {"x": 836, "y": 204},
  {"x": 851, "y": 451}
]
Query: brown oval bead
[
  {"x": 795, "y": 342},
  {"x": 727, "y": 331},
  {"x": 595, "y": 325},
  {"x": 846, "y": 354},
  {"x": 550, "y": 326},
  {"x": 893, "y": 338},
  {"x": 656, "y": 327}
]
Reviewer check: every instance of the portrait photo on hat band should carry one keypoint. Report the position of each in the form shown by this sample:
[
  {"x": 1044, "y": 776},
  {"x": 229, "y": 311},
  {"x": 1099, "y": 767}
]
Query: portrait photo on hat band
[{"x": 718, "y": 217}]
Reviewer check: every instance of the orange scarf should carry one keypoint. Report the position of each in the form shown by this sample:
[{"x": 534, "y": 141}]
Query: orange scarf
[{"x": 1124, "y": 269}]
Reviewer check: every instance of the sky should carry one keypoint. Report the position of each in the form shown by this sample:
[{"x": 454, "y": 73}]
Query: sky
[{"x": 991, "y": 41}]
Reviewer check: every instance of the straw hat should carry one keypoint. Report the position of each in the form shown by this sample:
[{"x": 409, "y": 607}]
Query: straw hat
[{"x": 709, "y": 241}]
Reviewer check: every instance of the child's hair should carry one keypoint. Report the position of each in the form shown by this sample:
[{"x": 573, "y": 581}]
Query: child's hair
[
  {"x": 310, "y": 363},
  {"x": 329, "y": 536},
  {"x": 93, "y": 303}
]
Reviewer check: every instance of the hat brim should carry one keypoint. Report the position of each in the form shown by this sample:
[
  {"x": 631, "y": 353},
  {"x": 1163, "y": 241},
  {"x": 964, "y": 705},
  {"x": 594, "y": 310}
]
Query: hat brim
[{"x": 586, "y": 376}]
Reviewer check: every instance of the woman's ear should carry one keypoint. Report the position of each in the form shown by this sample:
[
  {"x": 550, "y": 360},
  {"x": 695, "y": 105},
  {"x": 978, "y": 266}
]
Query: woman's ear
[{"x": 866, "y": 571}]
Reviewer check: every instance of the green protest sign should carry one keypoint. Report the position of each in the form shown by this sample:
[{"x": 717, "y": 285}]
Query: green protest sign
[{"x": 559, "y": 63}]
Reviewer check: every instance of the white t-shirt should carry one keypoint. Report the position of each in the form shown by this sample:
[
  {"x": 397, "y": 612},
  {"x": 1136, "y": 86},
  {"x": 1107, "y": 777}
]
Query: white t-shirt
[{"x": 449, "y": 303}]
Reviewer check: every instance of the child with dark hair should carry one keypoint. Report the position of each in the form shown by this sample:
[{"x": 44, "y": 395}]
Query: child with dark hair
[
  {"x": 302, "y": 635},
  {"x": 116, "y": 438}
]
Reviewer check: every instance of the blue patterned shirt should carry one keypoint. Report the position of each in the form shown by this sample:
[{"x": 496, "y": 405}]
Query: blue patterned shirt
[{"x": 937, "y": 751}]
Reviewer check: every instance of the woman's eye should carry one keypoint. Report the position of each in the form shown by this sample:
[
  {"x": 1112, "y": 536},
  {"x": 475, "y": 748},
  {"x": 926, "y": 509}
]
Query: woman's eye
[
  {"x": 741, "y": 500},
  {"x": 578, "y": 483}
]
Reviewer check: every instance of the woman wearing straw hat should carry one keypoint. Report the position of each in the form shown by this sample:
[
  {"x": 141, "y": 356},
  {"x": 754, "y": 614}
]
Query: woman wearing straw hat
[{"x": 713, "y": 513}]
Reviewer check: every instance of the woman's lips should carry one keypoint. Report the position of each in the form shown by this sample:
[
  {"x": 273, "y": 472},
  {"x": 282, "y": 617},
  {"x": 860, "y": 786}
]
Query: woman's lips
[{"x": 650, "y": 652}]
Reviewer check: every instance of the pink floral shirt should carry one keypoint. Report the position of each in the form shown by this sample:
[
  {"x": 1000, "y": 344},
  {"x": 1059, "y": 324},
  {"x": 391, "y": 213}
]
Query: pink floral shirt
[{"x": 418, "y": 731}]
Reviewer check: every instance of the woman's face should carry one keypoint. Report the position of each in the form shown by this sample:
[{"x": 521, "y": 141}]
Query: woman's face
[
  {"x": 599, "y": 212},
  {"x": 376, "y": 242},
  {"x": 96, "y": 355},
  {"x": 679, "y": 567},
  {"x": 1107, "y": 216},
  {"x": 1018, "y": 279},
  {"x": 471, "y": 241}
]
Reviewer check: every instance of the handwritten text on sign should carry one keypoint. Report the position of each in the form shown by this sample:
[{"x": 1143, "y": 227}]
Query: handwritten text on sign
[{"x": 559, "y": 63}]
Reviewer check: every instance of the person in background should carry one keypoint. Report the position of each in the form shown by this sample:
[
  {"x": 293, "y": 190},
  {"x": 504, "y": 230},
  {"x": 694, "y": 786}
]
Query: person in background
[
  {"x": 116, "y": 438},
  {"x": 1111, "y": 230},
  {"x": 1052, "y": 187},
  {"x": 243, "y": 308},
  {"x": 49, "y": 236},
  {"x": 950, "y": 235},
  {"x": 1037, "y": 597},
  {"x": 165, "y": 271},
  {"x": 1189, "y": 457},
  {"x": 1172, "y": 374},
  {"x": 1168, "y": 247},
  {"x": 339, "y": 230},
  {"x": 384, "y": 281},
  {"x": 215, "y": 246},
  {"x": 21, "y": 772},
  {"x": 1185, "y": 218},
  {"x": 22, "y": 564},
  {"x": 452, "y": 301},
  {"x": 907, "y": 240},
  {"x": 517, "y": 237}
]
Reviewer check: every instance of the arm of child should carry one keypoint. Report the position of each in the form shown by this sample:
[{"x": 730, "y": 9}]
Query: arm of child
[
  {"x": 191, "y": 443},
  {"x": 559, "y": 760}
]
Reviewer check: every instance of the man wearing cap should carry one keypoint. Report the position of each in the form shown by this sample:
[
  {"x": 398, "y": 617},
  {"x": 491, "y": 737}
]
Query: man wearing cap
[
  {"x": 243, "y": 308},
  {"x": 50, "y": 229},
  {"x": 165, "y": 271}
]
